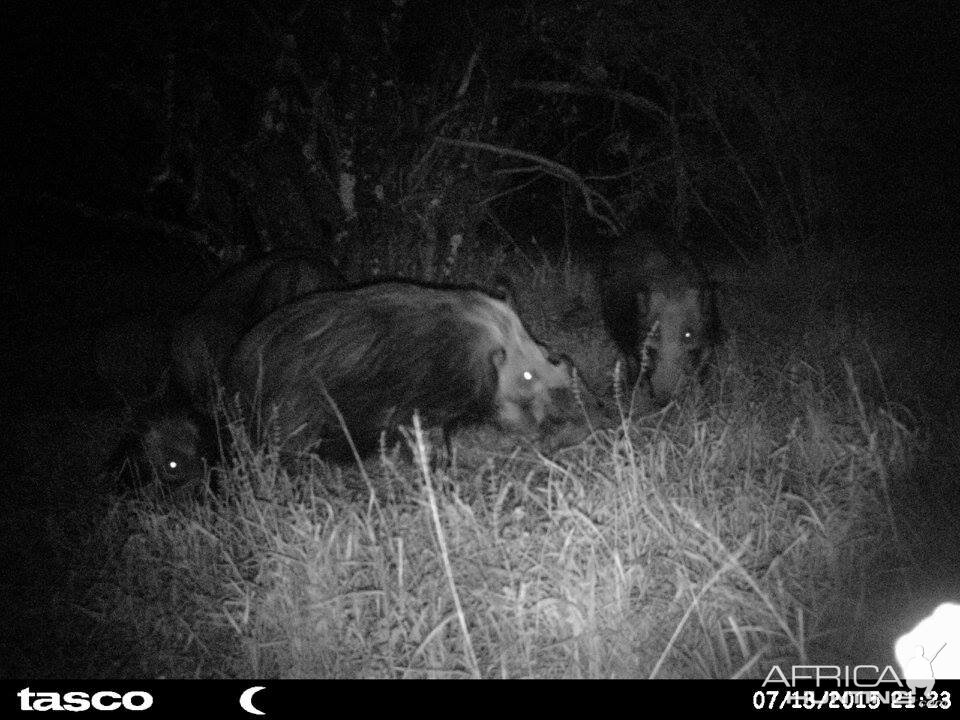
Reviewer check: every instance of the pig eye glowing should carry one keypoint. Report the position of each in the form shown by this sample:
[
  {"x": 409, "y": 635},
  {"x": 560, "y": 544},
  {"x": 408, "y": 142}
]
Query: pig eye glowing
[
  {"x": 527, "y": 375},
  {"x": 172, "y": 465}
]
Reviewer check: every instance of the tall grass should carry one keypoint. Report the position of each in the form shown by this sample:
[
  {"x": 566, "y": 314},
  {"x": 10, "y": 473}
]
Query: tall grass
[{"x": 710, "y": 539}]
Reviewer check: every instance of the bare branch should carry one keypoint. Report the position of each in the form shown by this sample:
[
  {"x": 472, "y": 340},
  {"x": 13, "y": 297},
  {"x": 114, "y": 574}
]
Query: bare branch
[
  {"x": 468, "y": 73},
  {"x": 551, "y": 167},
  {"x": 640, "y": 104}
]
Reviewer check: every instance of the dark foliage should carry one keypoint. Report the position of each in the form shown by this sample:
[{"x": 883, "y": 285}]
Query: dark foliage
[{"x": 425, "y": 123}]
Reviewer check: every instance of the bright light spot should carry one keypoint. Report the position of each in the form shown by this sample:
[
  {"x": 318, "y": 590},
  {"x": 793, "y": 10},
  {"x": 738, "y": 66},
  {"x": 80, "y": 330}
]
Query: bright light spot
[
  {"x": 931, "y": 651},
  {"x": 172, "y": 464}
]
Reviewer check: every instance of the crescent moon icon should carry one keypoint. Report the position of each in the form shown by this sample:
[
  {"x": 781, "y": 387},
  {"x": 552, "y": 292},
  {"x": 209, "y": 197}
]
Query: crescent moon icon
[{"x": 246, "y": 700}]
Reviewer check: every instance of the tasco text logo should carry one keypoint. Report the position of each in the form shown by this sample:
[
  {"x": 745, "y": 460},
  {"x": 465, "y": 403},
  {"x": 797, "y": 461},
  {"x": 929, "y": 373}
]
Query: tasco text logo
[{"x": 81, "y": 701}]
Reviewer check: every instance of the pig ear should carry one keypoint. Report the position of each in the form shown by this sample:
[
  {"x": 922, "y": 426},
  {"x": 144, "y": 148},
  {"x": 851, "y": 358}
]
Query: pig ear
[
  {"x": 642, "y": 304},
  {"x": 692, "y": 296},
  {"x": 558, "y": 358},
  {"x": 503, "y": 290},
  {"x": 152, "y": 436}
]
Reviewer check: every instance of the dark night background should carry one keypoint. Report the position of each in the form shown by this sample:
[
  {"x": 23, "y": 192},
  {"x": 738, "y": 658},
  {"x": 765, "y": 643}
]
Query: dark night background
[
  {"x": 92, "y": 133},
  {"x": 150, "y": 143}
]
